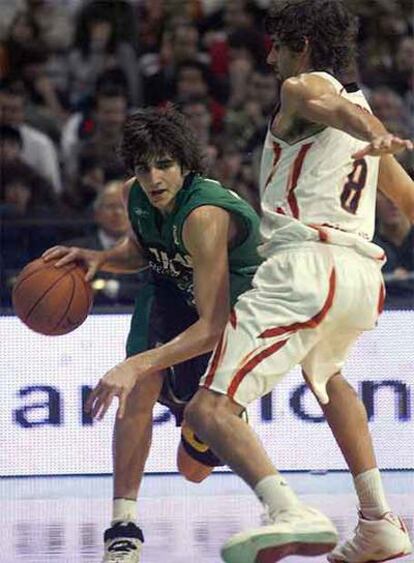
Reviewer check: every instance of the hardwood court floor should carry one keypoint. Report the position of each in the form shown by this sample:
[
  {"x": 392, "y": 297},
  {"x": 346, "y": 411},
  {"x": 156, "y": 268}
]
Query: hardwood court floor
[{"x": 61, "y": 519}]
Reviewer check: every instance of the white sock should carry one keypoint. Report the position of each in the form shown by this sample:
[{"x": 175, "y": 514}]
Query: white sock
[
  {"x": 274, "y": 492},
  {"x": 124, "y": 510},
  {"x": 370, "y": 491}
]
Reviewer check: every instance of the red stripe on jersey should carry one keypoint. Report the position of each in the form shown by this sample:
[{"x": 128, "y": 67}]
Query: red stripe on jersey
[
  {"x": 311, "y": 323},
  {"x": 381, "y": 299},
  {"x": 233, "y": 318},
  {"x": 277, "y": 150},
  {"x": 214, "y": 362},
  {"x": 294, "y": 177},
  {"x": 251, "y": 364}
]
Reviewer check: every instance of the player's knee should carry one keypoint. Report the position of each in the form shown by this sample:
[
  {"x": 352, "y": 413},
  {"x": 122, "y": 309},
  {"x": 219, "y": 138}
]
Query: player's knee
[{"x": 200, "y": 410}]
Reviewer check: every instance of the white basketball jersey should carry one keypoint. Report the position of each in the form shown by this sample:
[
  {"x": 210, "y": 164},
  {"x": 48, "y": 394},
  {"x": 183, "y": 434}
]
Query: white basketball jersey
[{"x": 314, "y": 190}]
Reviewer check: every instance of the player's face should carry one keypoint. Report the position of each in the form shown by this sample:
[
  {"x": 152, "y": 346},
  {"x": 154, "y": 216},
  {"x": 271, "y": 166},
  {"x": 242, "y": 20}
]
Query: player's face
[
  {"x": 284, "y": 61},
  {"x": 161, "y": 180}
]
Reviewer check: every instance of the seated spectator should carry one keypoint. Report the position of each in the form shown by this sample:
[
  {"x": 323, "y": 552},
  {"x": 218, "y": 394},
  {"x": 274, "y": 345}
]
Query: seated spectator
[
  {"x": 197, "y": 110},
  {"x": 159, "y": 69},
  {"x": 99, "y": 47},
  {"x": 23, "y": 34},
  {"x": 29, "y": 220},
  {"x": 38, "y": 149},
  {"x": 11, "y": 144},
  {"x": 111, "y": 220},
  {"x": 98, "y": 131},
  {"x": 396, "y": 236},
  {"x": 85, "y": 185}
]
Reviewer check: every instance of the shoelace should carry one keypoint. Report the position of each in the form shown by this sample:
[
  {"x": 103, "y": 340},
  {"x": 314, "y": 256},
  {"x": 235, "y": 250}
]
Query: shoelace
[
  {"x": 121, "y": 549},
  {"x": 267, "y": 518}
]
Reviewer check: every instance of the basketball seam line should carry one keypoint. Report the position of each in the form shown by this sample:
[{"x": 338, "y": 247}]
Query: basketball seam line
[{"x": 45, "y": 293}]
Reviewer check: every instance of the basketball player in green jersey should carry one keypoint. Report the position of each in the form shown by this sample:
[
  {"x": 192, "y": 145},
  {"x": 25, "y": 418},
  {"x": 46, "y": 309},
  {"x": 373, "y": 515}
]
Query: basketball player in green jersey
[{"x": 199, "y": 241}]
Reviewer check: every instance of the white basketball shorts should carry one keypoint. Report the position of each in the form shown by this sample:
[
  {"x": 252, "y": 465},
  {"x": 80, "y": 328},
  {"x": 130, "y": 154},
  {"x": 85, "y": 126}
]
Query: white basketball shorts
[{"x": 308, "y": 305}]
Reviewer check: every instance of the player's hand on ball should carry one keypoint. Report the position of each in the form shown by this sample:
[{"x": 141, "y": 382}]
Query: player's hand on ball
[
  {"x": 117, "y": 382},
  {"x": 92, "y": 259},
  {"x": 384, "y": 144}
]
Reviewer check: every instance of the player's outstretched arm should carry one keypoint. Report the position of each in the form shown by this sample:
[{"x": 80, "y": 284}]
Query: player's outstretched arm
[
  {"x": 315, "y": 99},
  {"x": 396, "y": 184}
]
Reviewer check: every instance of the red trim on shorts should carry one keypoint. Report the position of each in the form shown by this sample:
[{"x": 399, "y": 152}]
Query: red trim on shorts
[
  {"x": 293, "y": 180},
  {"x": 214, "y": 362},
  {"x": 311, "y": 323},
  {"x": 251, "y": 364},
  {"x": 233, "y": 318},
  {"x": 323, "y": 235},
  {"x": 381, "y": 299},
  {"x": 277, "y": 150}
]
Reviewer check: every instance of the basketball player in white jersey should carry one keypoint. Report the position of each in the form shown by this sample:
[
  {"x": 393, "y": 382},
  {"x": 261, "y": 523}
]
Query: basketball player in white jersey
[{"x": 319, "y": 288}]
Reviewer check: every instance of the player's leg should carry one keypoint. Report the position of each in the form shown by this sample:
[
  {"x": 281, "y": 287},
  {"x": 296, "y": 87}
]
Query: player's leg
[
  {"x": 131, "y": 444},
  {"x": 132, "y": 438},
  {"x": 379, "y": 535},
  {"x": 273, "y": 336}
]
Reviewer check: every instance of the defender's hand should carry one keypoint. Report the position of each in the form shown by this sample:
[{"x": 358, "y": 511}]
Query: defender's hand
[{"x": 384, "y": 144}]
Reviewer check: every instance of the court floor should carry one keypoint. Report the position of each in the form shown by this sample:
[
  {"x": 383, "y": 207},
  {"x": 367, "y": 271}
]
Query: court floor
[{"x": 61, "y": 519}]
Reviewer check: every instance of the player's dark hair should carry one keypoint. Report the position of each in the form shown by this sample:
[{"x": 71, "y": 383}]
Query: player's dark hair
[
  {"x": 152, "y": 133},
  {"x": 328, "y": 25}
]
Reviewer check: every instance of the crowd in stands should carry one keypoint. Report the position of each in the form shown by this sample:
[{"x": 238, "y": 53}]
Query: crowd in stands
[{"x": 70, "y": 71}]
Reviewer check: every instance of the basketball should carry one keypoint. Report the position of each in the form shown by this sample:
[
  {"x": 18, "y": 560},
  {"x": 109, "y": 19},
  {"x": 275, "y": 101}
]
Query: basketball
[{"x": 51, "y": 300}]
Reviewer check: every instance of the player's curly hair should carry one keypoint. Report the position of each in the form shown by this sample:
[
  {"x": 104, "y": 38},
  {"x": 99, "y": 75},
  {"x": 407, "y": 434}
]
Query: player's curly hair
[
  {"x": 151, "y": 133},
  {"x": 328, "y": 25}
]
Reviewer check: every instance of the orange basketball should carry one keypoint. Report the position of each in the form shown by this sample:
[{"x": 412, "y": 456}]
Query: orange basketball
[{"x": 52, "y": 300}]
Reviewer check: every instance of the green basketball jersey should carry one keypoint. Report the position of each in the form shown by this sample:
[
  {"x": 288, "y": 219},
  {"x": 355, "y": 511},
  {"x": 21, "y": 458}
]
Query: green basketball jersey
[{"x": 161, "y": 235}]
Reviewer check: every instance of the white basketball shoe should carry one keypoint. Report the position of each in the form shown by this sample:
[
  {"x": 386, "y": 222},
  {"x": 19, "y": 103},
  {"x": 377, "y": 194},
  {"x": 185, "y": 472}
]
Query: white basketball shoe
[
  {"x": 123, "y": 543},
  {"x": 374, "y": 541},
  {"x": 298, "y": 531}
]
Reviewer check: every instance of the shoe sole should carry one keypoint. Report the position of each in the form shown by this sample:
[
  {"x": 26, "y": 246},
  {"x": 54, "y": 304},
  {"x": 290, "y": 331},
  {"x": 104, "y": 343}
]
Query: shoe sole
[
  {"x": 269, "y": 548},
  {"x": 396, "y": 556}
]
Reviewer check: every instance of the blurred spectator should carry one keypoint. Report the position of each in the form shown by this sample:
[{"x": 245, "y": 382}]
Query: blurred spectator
[
  {"x": 396, "y": 236},
  {"x": 54, "y": 21},
  {"x": 38, "y": 149},
  {"x": 401, "y": 76},
  {"x": 98, "y": 46},
  {"x": 27, "y": 204},
  {"x": 98, "y": 132},
  {"x": 247, "y": 124},
  {"x": 159, "y": 69},
  {"x": 86, "y": 184},
  {"x": 387, "y": 105},
  {"x": 46, "y": 106},
  {"x": 111, "y": 220},
  {"x": 197, "y": 110},
  {"x": 21, "y": 36},
  {"x": 193, "y": 80},
  {"x": 11, "y": 144}
]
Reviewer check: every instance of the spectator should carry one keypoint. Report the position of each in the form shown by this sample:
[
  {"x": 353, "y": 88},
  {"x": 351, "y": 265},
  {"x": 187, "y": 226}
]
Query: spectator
[
  {"x": 38, "y": 149},
  {"x": 197, "y": 109},
  {"x": 26, "y": 206},
  {"x": 396, "y": 236},
  {"x": 99, "y": 131},
  {"x": 11, "y": 144},
  {"x": 111, "y": 221},
  {"x": 21, "y": 36},
  {"x": 85, "y": 185},
  {"x": 97, "y": 48}
]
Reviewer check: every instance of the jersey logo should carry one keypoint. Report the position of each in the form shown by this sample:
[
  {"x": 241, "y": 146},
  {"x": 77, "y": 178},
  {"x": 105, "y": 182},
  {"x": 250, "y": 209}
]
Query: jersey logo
[
  {"x": 140, "y": 212},
  {"x": 175, "y": 235}
]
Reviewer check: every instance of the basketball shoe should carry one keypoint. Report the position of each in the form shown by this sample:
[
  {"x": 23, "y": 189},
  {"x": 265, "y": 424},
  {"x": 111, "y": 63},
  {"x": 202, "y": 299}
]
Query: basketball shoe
[
  {"x": 123, "y": 543},
  {"x": 300, "y": 530},
  {"x": 374, "y": 541}
]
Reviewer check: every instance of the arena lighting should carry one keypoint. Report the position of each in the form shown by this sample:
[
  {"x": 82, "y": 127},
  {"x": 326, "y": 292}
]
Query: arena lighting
[{"x": 45, "y": 382}]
